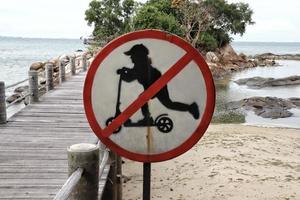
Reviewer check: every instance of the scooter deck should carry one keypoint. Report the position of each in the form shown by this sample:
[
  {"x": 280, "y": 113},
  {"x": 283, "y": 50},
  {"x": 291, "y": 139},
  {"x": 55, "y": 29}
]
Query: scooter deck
[{"x": 139, "y": 124}]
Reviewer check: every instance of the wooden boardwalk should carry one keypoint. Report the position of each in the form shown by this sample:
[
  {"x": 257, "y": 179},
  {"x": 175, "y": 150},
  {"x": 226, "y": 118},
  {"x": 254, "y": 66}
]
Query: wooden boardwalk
[{"x": 33, "y": 156}]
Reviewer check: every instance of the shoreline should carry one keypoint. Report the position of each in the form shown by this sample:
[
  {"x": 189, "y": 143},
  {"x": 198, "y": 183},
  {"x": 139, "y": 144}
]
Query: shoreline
[{"x": 229, "y": 162}]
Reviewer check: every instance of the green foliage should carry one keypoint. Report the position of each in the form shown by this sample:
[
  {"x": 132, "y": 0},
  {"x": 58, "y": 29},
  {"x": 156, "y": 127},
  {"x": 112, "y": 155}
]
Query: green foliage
[
  {"x": 109, "y": 17},
  {"x": 207, "y": 42},
  {"x": 229, "y": 18},
  {"x": 206, "y": 24},
  {"x": 222, "y": 114},
  {"x": 229, "y": 117},
  {"x": 152, "y": 16}
]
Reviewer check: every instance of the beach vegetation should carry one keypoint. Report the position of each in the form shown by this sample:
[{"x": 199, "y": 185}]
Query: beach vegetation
[
  {"x": 110, "y": 18},
  {"x": 229, "y": 117},
  {"x": 206, "y": 24}
]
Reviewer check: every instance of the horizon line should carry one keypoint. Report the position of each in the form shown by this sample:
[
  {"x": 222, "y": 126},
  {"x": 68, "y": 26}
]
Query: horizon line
[
  {"x": 57, "y": 38},
  {"x": 79, "y": 38}
]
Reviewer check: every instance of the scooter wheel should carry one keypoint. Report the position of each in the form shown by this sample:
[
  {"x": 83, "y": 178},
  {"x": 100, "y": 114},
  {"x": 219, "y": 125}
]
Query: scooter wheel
[
  {"x": 109, "y": 120},
  {"x": 164, "y": 124}
]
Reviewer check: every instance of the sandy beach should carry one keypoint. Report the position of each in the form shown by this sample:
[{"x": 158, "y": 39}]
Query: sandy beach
[{"x": 231, "y": 162}]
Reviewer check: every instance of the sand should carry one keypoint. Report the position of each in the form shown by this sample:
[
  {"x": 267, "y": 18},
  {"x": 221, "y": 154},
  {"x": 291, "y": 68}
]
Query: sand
[{"x": 233, "y": 162}]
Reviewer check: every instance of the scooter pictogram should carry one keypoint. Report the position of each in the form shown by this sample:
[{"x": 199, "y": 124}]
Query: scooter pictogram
[{"x": 162, "y": 122}]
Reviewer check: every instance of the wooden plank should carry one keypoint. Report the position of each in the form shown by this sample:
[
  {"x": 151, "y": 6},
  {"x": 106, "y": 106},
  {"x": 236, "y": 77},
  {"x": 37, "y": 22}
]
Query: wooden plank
[{"x": 33, "y": 159}]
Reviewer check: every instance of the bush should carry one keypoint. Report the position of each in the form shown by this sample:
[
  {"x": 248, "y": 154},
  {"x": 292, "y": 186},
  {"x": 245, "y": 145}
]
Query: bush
[
  {"x": 150, "y": 17},
  {"x": 229, "y": 117},
  {"x": 207, "y": 42}
]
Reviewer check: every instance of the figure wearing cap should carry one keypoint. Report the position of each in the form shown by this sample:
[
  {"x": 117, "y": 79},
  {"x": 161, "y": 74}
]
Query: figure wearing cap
[{"x": 146, "y": 75}]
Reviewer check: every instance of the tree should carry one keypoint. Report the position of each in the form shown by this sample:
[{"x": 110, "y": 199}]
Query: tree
[
  {"x": 157, "y": 14},
  {"x": 206, "y": 24},
  {"x": 229, "y": 18},
  {"x": 212, "y": 21},
  {"x": 110, "y": 18},
  {"x": 196, "y": 17}
]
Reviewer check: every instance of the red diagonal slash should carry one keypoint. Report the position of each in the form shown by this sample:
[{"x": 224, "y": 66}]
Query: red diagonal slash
[{"x": 147, "y": 94}]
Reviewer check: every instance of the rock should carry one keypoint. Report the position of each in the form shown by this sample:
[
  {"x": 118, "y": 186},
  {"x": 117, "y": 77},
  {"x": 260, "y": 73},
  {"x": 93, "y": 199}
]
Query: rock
[
  {"x": 21, "y": 89},
  {"x": 275, "y": 113},
  {"x": 13, "y": 97},
  {"x": 212, "y": 57},
  {"x": 260, "y": 82},
  {"x": 243, "y": 56},
  {"x": 271, "y": 56},
  {"x": 254, "y": 82},
  {"x": 295, "y": 101},
  {"x": 267, "y": 107},
  {"x": 291, "y": 80},
  {"x": 228, "y": 54},
  {"x": 37, "y": 66}
]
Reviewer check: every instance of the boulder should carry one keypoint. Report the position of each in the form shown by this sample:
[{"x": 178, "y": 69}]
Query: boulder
[
  {"x": 37, "y": 66},
  {"x": 13, "y": 97},
  {"x": 295, "y": 101},
  {"x": 21, "y": 89},
  {"x": 212, "y": 57},
  {"x": 271, "y": 56},
  {"x": 243, "y": 56},
  {"x": 275, "y": 113},
  {"x": 260, "y": 82},
  {"x": 267, "y": 107},
  {"x": 228, "y": 54}
]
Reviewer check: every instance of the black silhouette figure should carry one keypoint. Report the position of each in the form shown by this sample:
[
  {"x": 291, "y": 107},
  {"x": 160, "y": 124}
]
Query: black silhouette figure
[{"x": 146, "y": 75}]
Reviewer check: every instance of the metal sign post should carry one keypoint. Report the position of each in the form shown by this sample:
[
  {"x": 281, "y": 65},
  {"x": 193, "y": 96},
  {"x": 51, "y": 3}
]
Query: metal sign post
[
  {"x": 146, "y": 181},
  {"x": 149, "y": 96}
]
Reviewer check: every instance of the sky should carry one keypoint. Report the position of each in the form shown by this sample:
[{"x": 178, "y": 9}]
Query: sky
[{"x": 276, "y": 21}]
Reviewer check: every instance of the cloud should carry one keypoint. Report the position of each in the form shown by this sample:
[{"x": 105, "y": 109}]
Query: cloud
[
  {"x": 45, "y": 18},
  {"x": 276, "y": 21}
]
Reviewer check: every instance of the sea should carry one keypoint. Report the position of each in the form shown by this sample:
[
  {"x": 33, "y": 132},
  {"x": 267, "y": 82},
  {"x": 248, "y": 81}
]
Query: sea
[
  {"x": 254, "y": 48},
  {"x": 17, "y": 54}
]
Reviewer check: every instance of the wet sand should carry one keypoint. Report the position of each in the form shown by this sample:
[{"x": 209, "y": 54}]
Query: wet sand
[{"x": 233, "y": 162}]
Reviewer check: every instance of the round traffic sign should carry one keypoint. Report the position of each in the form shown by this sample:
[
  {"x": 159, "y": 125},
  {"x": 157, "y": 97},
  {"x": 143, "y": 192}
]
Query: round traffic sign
[{"x": 149, "y": 96}]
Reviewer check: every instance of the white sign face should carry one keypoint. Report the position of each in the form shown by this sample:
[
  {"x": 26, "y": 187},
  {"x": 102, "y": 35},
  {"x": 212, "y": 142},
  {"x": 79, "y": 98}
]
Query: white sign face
[{"x": 168, "y": 118}]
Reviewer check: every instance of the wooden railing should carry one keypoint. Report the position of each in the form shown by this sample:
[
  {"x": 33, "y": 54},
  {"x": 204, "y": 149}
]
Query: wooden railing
[
  {"x": 84, "y": 172},
  {"x": 35, "y": 88},
  {"x": 78, "y": 185}
]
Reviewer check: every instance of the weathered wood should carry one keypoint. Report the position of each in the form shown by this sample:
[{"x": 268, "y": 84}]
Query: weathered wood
[
  {"x": 119, "y": 177},
  {"x": 111, "y": 189},
  {"x": 33, "y": 159},
  {"x": 69, "y": 185},
  {"x": 62, "y": 71},
  {"x": 84, "y": 62},
  {"x": 85, "y": 156},
  {"x": 49, "y": 77},
  {"x": 73, "y": 66},
  {"x": 33, "y": 86},
  {"x": 3, "y": 114}
]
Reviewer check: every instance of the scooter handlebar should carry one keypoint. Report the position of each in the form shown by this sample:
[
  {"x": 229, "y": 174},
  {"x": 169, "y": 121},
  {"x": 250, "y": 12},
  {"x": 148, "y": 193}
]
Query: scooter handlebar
[{"x": 122, "y": 70}]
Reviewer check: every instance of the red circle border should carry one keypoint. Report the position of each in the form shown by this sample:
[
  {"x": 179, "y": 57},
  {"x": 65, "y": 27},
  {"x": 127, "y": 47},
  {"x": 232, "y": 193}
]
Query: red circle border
[{"x": 208, "y": 111}]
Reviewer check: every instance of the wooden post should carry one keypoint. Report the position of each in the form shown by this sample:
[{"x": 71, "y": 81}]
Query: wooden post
[
  {"x": 84, "y": 62},
  {"x": 49, "y": 76},
  {"x": 62, "y": 71},
  {"x": 33, "y": 86},
  {"x": 3, "y": 115},
  {"x": 113, "y": 188},
  {"x": 85, "y": 156},
  {"x": 110, "y": 191},
  {"x": 73, "y": 66},
  {"x": 119, "y": 177},
  {"x": 88, "y": 63}
]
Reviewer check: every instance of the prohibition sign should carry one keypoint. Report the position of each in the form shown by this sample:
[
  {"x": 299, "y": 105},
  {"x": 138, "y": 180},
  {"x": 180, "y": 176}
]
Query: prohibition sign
[{"x": 101, "y": 89}]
